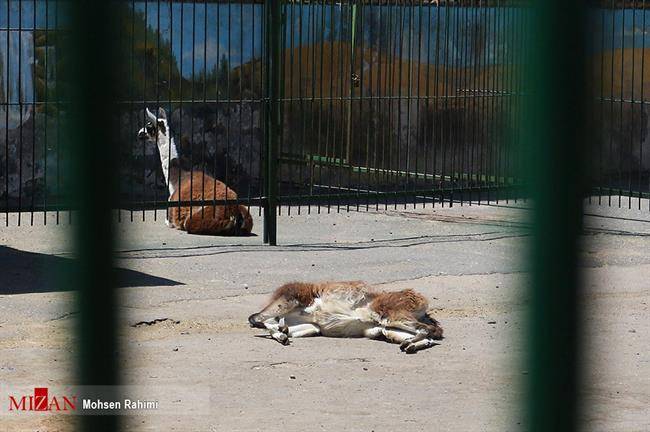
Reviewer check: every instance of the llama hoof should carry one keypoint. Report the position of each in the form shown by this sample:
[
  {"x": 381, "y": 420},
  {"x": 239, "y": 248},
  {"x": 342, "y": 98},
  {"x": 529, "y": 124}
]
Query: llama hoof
[
  {"x": 410, "y": 349},
  {"x": 405, "y": 344},
  {"x": 282, "y": 338}
]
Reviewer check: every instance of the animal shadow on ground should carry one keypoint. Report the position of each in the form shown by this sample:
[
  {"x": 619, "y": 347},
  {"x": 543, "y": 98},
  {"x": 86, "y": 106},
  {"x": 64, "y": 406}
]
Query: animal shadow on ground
[{"x": 25, "y": 272}]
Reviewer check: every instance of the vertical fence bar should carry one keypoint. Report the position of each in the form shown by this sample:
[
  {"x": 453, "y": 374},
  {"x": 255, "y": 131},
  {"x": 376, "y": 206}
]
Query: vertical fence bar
[
  {"x": 47, "y": 110},
  {"x": 20, "y": 101},
  {"x": 7, "y": 108},
  {"x": 92, "y": 185},
  {"x": 272, "y": 116},
  {"x": 33, "y": 193},
  {"x": 555, "y": 134}
]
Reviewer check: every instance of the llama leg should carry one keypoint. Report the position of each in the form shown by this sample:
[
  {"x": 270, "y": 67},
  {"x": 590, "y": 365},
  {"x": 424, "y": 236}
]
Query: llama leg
[
  {"x": 374, "y": 333},
  {"x": 420, "y": 335},
  {"x": 274, "y": 326},
  {"x": 396, "y": 336},
  {"x": 301, "y": 330},
  {"x": 409, "y": 343},
  {"x": 414, "y": 347}
]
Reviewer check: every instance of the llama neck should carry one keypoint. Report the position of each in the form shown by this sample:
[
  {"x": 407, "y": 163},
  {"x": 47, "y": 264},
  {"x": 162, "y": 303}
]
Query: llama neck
[{"x": 168, "y": 154}]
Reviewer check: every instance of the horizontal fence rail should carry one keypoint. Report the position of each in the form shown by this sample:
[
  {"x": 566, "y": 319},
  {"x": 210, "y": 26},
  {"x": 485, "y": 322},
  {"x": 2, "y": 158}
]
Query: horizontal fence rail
[{"x": 378, "y": 104}]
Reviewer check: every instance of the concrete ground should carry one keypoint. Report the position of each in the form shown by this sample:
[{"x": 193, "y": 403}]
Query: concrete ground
[{"x": 218, "y": 376}]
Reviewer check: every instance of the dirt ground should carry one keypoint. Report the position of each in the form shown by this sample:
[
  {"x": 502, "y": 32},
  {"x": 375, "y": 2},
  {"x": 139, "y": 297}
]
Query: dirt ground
[{"x": 469, "y": 261}]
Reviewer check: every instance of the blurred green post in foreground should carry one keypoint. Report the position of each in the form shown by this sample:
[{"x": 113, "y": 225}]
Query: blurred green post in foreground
[
  {"x": 555, "y": 135},
  {"x": 92, "y": 133}
]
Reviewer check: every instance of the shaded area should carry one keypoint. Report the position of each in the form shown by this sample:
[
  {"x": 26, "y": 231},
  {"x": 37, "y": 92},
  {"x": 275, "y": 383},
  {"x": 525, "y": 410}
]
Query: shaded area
[{"x": 29, "y": 272}]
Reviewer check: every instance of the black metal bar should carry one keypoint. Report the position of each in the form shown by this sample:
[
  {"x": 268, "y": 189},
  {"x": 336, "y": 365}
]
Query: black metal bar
[
  {"x": 435, "y": 130},
  {"x": 288, "y": 76},
  {"x": 426, "y": 138},
  {"x": 461, "y": 69},
  {"x": 253, "y": 90},
  {"x": 8, "y": 75},
  {"x": 611, "y": 104},
  {"x": 320, "y": 93},
  {"x": 486, "y": 94},
  {"x": 228, "y": 94},
  {"x": 643, "y": 46},
  {"x": 301, "y": 97},
  {"x": 445, "y": 128},
  {"x": 169, "y": 95},
  {"x": 419, "y": 193},
  {"x": 47, "y": 112},
  {"x": 180, "y": 104},
  {"x": 241, "y": 105},
  {"x": 262, "y": 116},
  {"x": 621, "y": 105},
  {"x": 341, "y": 130},
  {"x": 57, "y": 96},
  {"x": 205, "y": 95},
  {"x": 409, "y": 91},
  {"x": 273, "y": 119},
  {"x": 33, "y": 107},
  {"x": 158, "y": 85},
  {"x": 474, "y": 111},
  {"x": 192, "y": 112},
  {"x": 20, "y": 110},
  {"x": 216, "y": 107},
  {"x": 132, "y": 96},
  {"x": 629, "y": 176},
  {"x": 144, "y": 96}
]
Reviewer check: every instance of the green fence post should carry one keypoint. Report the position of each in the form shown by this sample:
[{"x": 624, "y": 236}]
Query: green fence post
[
  {"x": 91, "y": 134},
  {"x": 555, "y": 134},
  {"x": 273, "y": 119}
]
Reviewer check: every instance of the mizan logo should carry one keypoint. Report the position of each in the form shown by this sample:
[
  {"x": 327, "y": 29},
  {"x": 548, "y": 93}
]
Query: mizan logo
[{"x": 41, "y": 401}]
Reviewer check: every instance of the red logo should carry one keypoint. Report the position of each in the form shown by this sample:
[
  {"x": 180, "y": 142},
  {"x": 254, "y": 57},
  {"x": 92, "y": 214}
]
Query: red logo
[{"x": 40, "y": 401}]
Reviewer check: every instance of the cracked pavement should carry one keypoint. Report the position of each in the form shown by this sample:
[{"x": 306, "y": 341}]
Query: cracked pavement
[{"x": 197, "y": 292}]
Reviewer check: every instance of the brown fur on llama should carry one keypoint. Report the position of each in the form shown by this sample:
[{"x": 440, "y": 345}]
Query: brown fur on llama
[
  {"x": 217, "y": 219},
  {"x": 349, "y": 309}
]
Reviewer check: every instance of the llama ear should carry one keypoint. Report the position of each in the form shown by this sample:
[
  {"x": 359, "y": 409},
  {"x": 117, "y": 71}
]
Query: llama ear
[
  {"x": 161, "y": 113},
  {"x": 150, "y": 115},
  {"x": 162, "y": 126}
]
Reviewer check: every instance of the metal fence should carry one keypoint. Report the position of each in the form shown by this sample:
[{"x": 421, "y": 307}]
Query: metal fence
[
  {"x": 39, "y": 153},
  {"x": 620, "y": 158},
  {"x": 331, "y": 106}
]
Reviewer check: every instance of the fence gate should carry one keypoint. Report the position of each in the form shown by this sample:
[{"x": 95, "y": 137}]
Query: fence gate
[{"x": 313, "y": 106}]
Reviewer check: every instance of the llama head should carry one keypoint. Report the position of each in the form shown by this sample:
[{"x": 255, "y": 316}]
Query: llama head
[
  {"x": 155, "y": 128},
  {"x": 288, "y": 299},
  {"x": 156, "y": 131}
]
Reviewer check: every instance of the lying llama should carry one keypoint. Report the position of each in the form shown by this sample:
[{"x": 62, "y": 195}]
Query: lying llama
[
  {"x": 195, "y": 186},
  {"x": 349, "y": 310}
]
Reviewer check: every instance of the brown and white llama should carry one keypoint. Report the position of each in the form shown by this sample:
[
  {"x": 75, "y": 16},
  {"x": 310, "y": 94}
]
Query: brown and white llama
[
  {"x": 193, "y": 185},
  {"x": 349, "y": 310}
]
